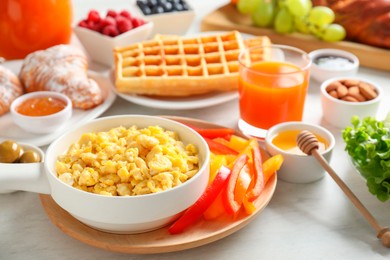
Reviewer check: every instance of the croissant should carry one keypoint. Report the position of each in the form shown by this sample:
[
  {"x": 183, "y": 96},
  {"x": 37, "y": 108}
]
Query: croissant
[
  {"x": 61, "y": 68},
  {"x": 10, "y": 88}
]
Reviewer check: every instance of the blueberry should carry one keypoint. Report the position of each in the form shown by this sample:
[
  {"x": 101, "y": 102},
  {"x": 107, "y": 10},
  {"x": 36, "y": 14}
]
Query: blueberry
[
  {"x": 178, "y": 7},
  {"x": 152, "y": 3},
  {"x": 146, "y": 10},
  {"x": 185, "y": 6},
  {"x": 168, "y": 7},
  {"x": 158, "y": 9}
]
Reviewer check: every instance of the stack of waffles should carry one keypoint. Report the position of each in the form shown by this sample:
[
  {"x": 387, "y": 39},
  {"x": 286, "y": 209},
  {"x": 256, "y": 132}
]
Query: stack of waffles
[{"x": 181, "y": 66}]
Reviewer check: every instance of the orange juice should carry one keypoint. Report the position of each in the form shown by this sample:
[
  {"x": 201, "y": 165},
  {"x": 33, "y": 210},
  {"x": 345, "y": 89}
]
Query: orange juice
[
  {"x": 272, "y": 92},
  {"x": 27, "y": 26}
]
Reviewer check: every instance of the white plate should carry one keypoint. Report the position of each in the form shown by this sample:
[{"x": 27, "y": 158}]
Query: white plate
[
  {"x": 10, "y": 131},
  {"x": 173, "y": 103},
  {"x": 193, "y": 102}
]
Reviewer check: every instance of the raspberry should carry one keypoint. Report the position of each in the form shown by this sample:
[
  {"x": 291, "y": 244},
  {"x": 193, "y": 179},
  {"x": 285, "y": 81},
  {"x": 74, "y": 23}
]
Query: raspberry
[
  {"x": 93, "y": 16},
  {"x": 111, "y": 13},
  {"x": 96, "y": 26},
  {"x": 83, "y": 23},
  {"x": 123, "y": 24},
  {"x": 109, "y": 20},
  {"x": 110, "y": 30},
  {"x": 126, "y": 14},
  {"x": 137, "y": 22}
]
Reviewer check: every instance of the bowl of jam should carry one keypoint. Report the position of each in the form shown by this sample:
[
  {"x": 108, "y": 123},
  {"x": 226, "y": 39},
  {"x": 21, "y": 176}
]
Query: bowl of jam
[
  {"x": 329, "y": 63},
  {"x": 41, "y": 112}
]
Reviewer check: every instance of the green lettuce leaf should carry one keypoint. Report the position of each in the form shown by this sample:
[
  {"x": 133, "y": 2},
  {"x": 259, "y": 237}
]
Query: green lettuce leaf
[{"x": 368, "y": 144}]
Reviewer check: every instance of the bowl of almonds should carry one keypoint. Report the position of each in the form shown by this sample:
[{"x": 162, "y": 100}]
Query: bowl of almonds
[{"x": 344, "y": 97}]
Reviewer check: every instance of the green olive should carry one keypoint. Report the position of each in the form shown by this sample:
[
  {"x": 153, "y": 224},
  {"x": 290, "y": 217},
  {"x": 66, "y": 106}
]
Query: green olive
[
  {"x": 30, "y": 157},
  {"x": 9, "y": 152}
]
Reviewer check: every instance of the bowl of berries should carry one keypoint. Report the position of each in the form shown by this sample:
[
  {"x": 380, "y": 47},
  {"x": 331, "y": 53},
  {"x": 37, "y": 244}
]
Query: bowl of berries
[
  {"x": 168, "y": 16},
  {"x": 100, "y": 34}
]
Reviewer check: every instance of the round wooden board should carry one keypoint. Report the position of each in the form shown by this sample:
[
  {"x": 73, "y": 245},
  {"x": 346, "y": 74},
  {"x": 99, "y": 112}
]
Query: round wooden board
[{"x": 158, "y": 241}]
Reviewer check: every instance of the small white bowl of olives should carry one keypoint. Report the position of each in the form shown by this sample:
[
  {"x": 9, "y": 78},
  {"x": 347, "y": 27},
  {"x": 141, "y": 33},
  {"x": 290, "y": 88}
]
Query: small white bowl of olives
[{"x": 14, "y": 156}]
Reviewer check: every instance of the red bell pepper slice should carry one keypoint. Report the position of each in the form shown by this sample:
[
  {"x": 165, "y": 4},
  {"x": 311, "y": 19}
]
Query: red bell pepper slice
[
  {"x": 219, "y": 148},
  {"x": 212, "y": 133},
  {"x": 195, "y": 212},
  {"x": 258, "y": 176},
  {"x": 231, "y": 205}
]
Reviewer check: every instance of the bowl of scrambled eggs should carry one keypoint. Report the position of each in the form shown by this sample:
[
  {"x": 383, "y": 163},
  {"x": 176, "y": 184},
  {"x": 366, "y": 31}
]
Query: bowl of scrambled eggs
[{"x": 126, "y": 174}]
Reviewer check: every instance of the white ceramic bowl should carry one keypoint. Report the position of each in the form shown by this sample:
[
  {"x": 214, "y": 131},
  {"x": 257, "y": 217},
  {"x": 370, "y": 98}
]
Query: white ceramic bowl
[
  {"x": 100, "y": 47},
  {"x": 338, "y": 112},
  {"x": 118, "y": 214},
  {"x": 299, "y": 168},
  {"x": 17, "y": 168},
  {"x": 41, "y": 124},
  {"x": 175, "y": 23},
  {"x": 336, "y": 69}
]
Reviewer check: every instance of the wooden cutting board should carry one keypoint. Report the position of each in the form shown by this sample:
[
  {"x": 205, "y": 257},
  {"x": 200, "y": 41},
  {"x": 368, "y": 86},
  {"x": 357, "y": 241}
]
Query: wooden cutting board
[{"x": 228, "y": 18}]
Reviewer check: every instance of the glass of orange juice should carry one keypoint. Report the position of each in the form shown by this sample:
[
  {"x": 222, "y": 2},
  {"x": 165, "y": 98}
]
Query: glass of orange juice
[
  {"x": 273, "y": 82},
  {"x": 28, "y": 26}
]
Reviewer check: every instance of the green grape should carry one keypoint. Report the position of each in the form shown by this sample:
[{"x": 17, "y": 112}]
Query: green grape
[
  {"x": 247, "y": 6},
  {"x": 284, "y": 21},
  {"x": 281, "y": 3},
  {"x": 316, "y": 30},
  {"x": 321, "y": 16},
  {"x": 264, "y": 13},
  {"x": 301, "y": 25},
  {"x": 333, "y": 33},
  {"x": 299, "y": 8}
]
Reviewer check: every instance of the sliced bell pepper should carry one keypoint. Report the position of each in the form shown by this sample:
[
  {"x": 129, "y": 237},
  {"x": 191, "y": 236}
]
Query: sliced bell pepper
[
  {"x": 249, "y": 206},
  {"x": 218, "y": 148},
  {"x": 242, "y": 184},
  {"x": 222, "y": 141},
  {"x": 216, "y": 163},
  {"x": 216, "y": 208},
  {"x": 258, "y": 176},
  {"x": 195, "y": 212},
  {"x": 271, "y": 165},
  {"x": 237, "y": 143},
  {"x": 212, "y": 133},
  {"x": 230, "y": 204}
]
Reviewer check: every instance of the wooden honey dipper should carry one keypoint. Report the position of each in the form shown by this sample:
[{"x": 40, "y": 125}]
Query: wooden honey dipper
[{"x": 308, "y": 143}]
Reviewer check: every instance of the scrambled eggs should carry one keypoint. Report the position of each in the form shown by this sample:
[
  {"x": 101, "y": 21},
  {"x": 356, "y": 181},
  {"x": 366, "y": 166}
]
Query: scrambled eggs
[{"x": 128, "y": 161}]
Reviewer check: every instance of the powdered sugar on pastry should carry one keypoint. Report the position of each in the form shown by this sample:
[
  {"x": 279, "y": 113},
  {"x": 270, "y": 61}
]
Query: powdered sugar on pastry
[
  {"x": 10, "y": 88},
  {"x": 62, "y": 68}
]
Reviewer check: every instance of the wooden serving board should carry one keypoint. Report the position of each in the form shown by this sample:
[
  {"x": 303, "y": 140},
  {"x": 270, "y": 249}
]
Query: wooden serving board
[
  {"x": 158, "y": 241},
  {"x": 228, "y": 18}
]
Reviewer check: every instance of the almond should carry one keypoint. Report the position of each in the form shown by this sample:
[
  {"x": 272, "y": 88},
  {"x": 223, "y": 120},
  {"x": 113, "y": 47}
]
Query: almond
[
  {"x": 333, "y": 86},
  {"x": 351, "y": 82},
  {"x": 342, "y": 91},
  {"x": 367, "y": 91},
  {"x": 349, "y": 99}
]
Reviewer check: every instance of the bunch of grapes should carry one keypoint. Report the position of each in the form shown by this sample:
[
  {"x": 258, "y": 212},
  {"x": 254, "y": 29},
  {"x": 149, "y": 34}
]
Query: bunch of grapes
[{"x": 287, "y": 16}]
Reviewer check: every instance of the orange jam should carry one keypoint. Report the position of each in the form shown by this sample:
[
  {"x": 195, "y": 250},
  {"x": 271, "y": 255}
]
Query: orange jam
[
  {"x": 287, "y": 141},
  {"x": 41, "y": 106}
]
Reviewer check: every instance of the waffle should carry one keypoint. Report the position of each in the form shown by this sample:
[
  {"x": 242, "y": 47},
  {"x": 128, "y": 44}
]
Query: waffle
[{"x": 181, "y": 66}]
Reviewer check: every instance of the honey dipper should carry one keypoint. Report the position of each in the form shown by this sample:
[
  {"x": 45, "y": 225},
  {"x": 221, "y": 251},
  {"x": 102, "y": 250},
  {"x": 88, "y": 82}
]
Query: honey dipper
[{"x": 308, "y": 143}]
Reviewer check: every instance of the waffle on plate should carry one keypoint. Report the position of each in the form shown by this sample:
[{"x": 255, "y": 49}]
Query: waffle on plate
[{"x": 181, "y": 66}]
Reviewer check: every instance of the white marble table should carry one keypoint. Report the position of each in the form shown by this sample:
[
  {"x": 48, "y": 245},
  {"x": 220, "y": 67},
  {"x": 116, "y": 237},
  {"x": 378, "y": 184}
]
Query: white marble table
[{"x": 302, "y": 221}]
